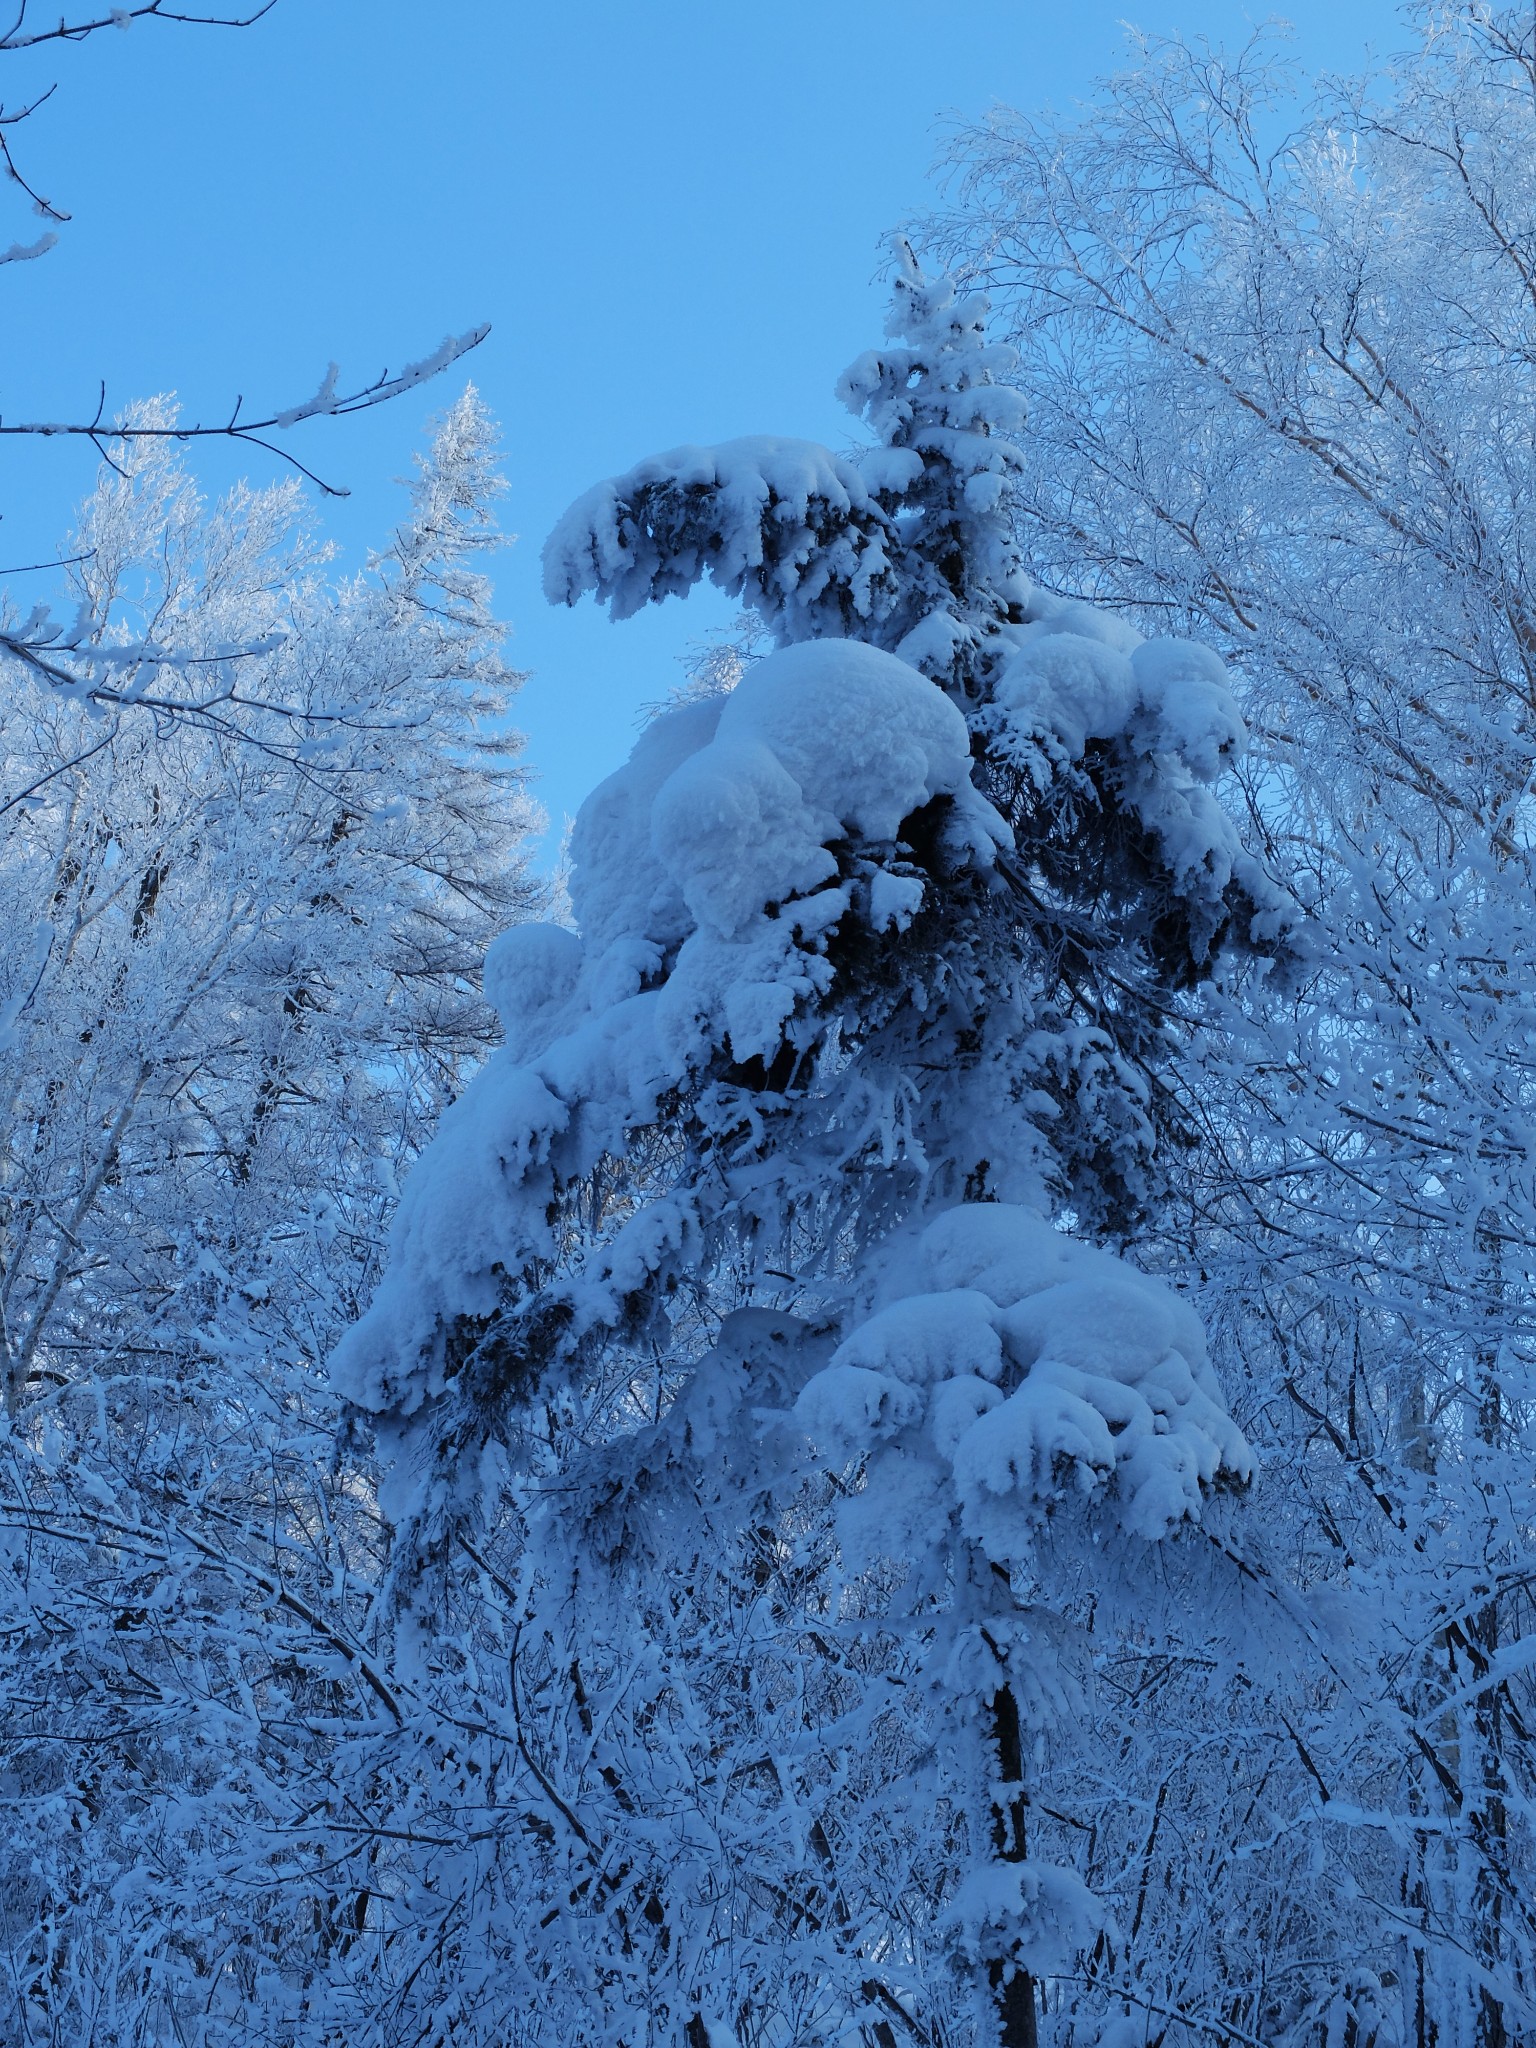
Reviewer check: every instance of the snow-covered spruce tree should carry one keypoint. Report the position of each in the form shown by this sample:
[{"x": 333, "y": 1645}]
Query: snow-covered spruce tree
[
  {"x": 240, "y": 981},
  {"x": 855, "y": 1044},
  {"x": 1278, "y": 360}
]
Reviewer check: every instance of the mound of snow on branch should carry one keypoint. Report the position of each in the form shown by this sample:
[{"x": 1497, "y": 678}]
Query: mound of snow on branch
[
  {"x": 1080, "y": 679},
  {"x": 1007, "y": 1366},
  {"x": 771, "y": 501}
]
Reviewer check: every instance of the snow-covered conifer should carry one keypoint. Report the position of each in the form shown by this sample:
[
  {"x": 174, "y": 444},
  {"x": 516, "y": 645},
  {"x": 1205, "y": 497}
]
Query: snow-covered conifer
[{"x": 791, "y": 1155}]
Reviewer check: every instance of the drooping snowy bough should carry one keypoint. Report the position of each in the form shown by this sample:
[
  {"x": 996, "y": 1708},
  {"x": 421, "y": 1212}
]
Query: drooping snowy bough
[{"x": 798, "y": 1135}]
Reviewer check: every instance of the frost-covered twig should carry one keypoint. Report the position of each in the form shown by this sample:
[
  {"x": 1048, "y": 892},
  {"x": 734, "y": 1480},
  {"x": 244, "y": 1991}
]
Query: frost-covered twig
[
  {"x": 128, "y": 677},
  {"x": 326, "y": 404},
  {"x": 20, "y": 37}
]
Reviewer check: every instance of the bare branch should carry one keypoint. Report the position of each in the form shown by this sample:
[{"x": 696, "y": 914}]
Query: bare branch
[
  {"x": 8, "y": 163},
  {"x": 59, "y": 562},
  {"x": 19, "y": 37},
  {"x": 326, "y": 404}
]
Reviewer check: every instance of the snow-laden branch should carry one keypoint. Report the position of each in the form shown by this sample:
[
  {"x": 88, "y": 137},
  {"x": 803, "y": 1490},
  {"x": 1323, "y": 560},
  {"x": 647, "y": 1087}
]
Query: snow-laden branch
[
  {"x": 140, "y": 675},
  {"x": 20, "y": 37},
  {"x": 28, "y": 252},
  {"x": 327, "y": 403}
]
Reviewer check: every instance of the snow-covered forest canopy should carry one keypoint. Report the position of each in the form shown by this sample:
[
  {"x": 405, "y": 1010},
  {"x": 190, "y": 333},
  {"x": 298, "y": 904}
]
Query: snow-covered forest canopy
[{"x": 897, "y": 1408}]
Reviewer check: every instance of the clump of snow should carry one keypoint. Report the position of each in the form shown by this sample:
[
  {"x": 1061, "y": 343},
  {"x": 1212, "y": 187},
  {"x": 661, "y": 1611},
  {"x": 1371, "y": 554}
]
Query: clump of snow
[
  {"x": 925, "y": 1338},
  {"x": 1165, "y": 712},
  {"x": 894, "y": 900},
  {"x": 1080, "y": 675},
  {"x": 530, "y": 971},
  {"x": 1015, "y": 1366},
  {"x": 732, "y": 828},
  {"x": 867, "y": 739},
  {"x": 1187, "y": 705},
  {"x": 819, "y": 743},
  {"x": 1037, "y": 1916},
  {"x": 1064, "y": 689},
  {"x": 619, "y": 887}
]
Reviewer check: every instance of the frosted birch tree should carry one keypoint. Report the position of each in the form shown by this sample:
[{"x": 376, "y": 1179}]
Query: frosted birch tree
[
  {"x": 241, "y": 982},
  {"x": 1280, "y": 381}
]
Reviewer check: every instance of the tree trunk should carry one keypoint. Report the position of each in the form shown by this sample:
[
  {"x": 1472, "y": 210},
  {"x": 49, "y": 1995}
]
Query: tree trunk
[{"x": 1012, "y": 1986}]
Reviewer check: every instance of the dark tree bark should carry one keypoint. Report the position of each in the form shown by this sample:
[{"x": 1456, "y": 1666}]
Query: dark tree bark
[{"x": 1013, "y": 1988}]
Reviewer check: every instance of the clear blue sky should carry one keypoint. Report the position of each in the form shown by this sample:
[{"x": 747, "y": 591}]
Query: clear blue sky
[{"x": 670, "y": 213}]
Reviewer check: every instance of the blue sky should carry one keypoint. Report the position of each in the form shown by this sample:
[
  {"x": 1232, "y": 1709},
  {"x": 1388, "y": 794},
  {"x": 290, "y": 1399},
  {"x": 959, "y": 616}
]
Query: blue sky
[{"x": 671, "y": 214}]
